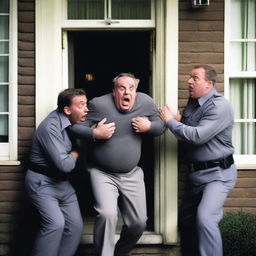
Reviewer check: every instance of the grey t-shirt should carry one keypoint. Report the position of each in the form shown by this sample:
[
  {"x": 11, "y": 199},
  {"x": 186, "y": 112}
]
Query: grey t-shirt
[{"x": 121, "y": 153}]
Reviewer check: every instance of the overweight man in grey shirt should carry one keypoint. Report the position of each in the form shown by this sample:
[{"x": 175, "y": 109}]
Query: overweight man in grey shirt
[
  {"x": 115, "y": 175},
  {"x": 51, "y": 160},
  {"x": 205, "y": 131}
]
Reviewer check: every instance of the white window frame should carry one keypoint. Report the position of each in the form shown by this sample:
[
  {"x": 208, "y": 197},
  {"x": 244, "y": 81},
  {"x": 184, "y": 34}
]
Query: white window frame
[
  {"x": 51, "y": 78},
  {"x": 242, "y": 161},
  {"x": 105, "y": 23},
  {"x": 8, "y": 151}
]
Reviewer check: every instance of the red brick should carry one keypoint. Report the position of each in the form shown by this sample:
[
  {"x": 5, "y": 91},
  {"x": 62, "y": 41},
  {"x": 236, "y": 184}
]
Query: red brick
[
  {"x": 26, "y": 46},
  {"x": 26, "y": 54},
  {"x": 201, "y": 36},
  {"x": 26, "y": 6},
  {"x": 26, "y": 90},
  {"x": 26, "y": 70},
  {"x": 197, "y": 58},
  {"x": 247, "y": 174},
  {"x": 27, "y": 37},
  {"x": 7, "y": 196},
  {"x": 241, "y": 202},
  {"x": 239, "y": 192},
  {"x": 246, "y": 183},
  {"x": 201, "y": 15},
  {"x": 11, "y": 176},
  {"x": 26, "y": 122},
  {"x": 26, "y": 110},
  {"x": 26, "y": 27},
  {"x": 191, "y": 47},
  {"x": 4, "y": 218},
  {"x": 10, "y": 207},
  {"x": 26, "y": 16},
  {"x": 26, "y": 62},
  {"x": 26, "y": 100},
  {"x": 249, "y": 210},
  {"x": 26, "y": 132},
  {"x": 9, "y": 185}
]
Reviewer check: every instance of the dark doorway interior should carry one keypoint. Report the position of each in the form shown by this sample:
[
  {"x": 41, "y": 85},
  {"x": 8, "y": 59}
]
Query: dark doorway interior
[{"x": 98, "y": 57}]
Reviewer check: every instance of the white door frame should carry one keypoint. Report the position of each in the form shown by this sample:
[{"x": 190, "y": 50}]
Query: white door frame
[{"x": 52, "y": 77}]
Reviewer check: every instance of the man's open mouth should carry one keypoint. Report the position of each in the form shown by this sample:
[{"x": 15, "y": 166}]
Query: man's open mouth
[{"x": 126, "y": 100}]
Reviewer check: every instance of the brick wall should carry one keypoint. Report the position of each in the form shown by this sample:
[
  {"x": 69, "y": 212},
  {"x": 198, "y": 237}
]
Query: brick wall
[
  {"x": 12, "y": 196},
  {"x": 201, "y": 41},
  {"x": 243, "y": 196}
]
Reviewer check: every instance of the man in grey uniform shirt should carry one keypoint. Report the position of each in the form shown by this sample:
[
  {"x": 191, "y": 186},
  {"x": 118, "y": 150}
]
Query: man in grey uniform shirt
[
  {"x": 116, "y": 179},
  {"x": 46, "y": 181},
  {"x": 205, "y": 131}
]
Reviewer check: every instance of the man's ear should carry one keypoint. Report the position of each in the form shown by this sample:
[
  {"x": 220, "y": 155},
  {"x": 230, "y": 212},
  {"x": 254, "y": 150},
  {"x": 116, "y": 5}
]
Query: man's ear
[
  {"x": 67, "y": 110},
  {"x": 209, "y": 84}
]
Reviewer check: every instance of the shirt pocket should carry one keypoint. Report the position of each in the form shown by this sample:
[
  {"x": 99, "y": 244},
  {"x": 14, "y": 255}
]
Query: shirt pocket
[{"x": 192, "y": 118}]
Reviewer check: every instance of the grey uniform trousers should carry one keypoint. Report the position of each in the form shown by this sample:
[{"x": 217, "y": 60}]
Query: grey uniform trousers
[
  {"x": 202, "y": 209},
  {"x": 127, "y": 191},
  {"x": 61, "y": 221}
]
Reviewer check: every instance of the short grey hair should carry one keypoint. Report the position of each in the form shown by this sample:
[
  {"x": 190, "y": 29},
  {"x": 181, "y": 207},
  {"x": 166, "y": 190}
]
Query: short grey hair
[
  {"x": 136, "y": 80},
  {"x": 210, "y": 73}
]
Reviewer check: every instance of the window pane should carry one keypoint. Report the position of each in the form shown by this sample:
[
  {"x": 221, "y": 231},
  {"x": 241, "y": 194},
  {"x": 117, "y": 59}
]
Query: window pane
[
  {"x": 243, "y": 19},
  {"x": 4, "y": 6},
  {"x": 4, "y": 98},
  {"x": 86, "y": 9},
  {"x": 243, "y": 57},
  {"x": 4, "y": 69},
  {"x": 131, "y": 9},
  {"x": 242, "y": 97},
  {"x": 4, "y": 47},
  {"x": 3, "y": 128},
  {"x": 4, "y": 27},
  {"x": 244, "y": 139}
]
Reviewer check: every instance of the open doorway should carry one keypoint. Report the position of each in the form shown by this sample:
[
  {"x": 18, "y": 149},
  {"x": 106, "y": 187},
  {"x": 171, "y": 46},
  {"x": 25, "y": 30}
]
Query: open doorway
[{"x": 97, "y": 57}]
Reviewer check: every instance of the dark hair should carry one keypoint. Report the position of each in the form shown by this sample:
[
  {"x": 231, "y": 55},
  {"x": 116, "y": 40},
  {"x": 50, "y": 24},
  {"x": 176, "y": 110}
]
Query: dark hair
[
  {"x": 65, "y": 97},
  {"x": 210, "y": 73},
  {"x": 136, "y": 80}
]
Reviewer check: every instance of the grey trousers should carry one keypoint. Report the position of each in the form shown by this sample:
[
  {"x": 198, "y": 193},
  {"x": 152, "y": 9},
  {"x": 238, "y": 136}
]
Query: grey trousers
[
  {"x": 61, "y": 221},
  {"x": 110, "y": 191},
  {"x": 202, "y": 209}
]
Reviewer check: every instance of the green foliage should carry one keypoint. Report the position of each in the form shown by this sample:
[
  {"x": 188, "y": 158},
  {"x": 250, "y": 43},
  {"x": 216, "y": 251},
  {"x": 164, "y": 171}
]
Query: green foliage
[{"x": 239, "y": 234}]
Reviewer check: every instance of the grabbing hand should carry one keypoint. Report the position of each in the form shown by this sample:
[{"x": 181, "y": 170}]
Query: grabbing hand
[
  {"x": 141, "y": 124},
  {"x": 103, "y": 130},
  {"x": 75, "y": 154},
  {"x": 166, "y": 114}
]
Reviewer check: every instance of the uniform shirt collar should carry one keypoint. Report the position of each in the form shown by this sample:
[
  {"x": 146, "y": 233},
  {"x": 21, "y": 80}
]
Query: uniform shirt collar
[
  {"x": 64, "y": 121},
  {"x": 207, "y": 96}
]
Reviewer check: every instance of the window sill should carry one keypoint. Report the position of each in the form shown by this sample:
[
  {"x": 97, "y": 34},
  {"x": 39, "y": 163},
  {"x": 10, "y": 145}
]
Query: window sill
[
  {"x": 245, "y": 162},
  {"x": 246, "y": 166},
  {"x": 9, "y": 162}
]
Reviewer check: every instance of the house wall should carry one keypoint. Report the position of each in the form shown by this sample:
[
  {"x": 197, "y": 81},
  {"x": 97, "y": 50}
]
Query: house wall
[{"x": 201, "y": 41}]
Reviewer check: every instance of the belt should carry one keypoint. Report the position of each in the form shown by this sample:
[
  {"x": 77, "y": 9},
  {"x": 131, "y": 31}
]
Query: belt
[
  {"x": 48, "y": 171},
  {"x": 224, "y": 163}
]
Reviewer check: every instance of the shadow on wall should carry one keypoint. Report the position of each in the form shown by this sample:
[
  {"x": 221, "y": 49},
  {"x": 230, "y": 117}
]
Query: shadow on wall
[{"x": 26, "y": 227}]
